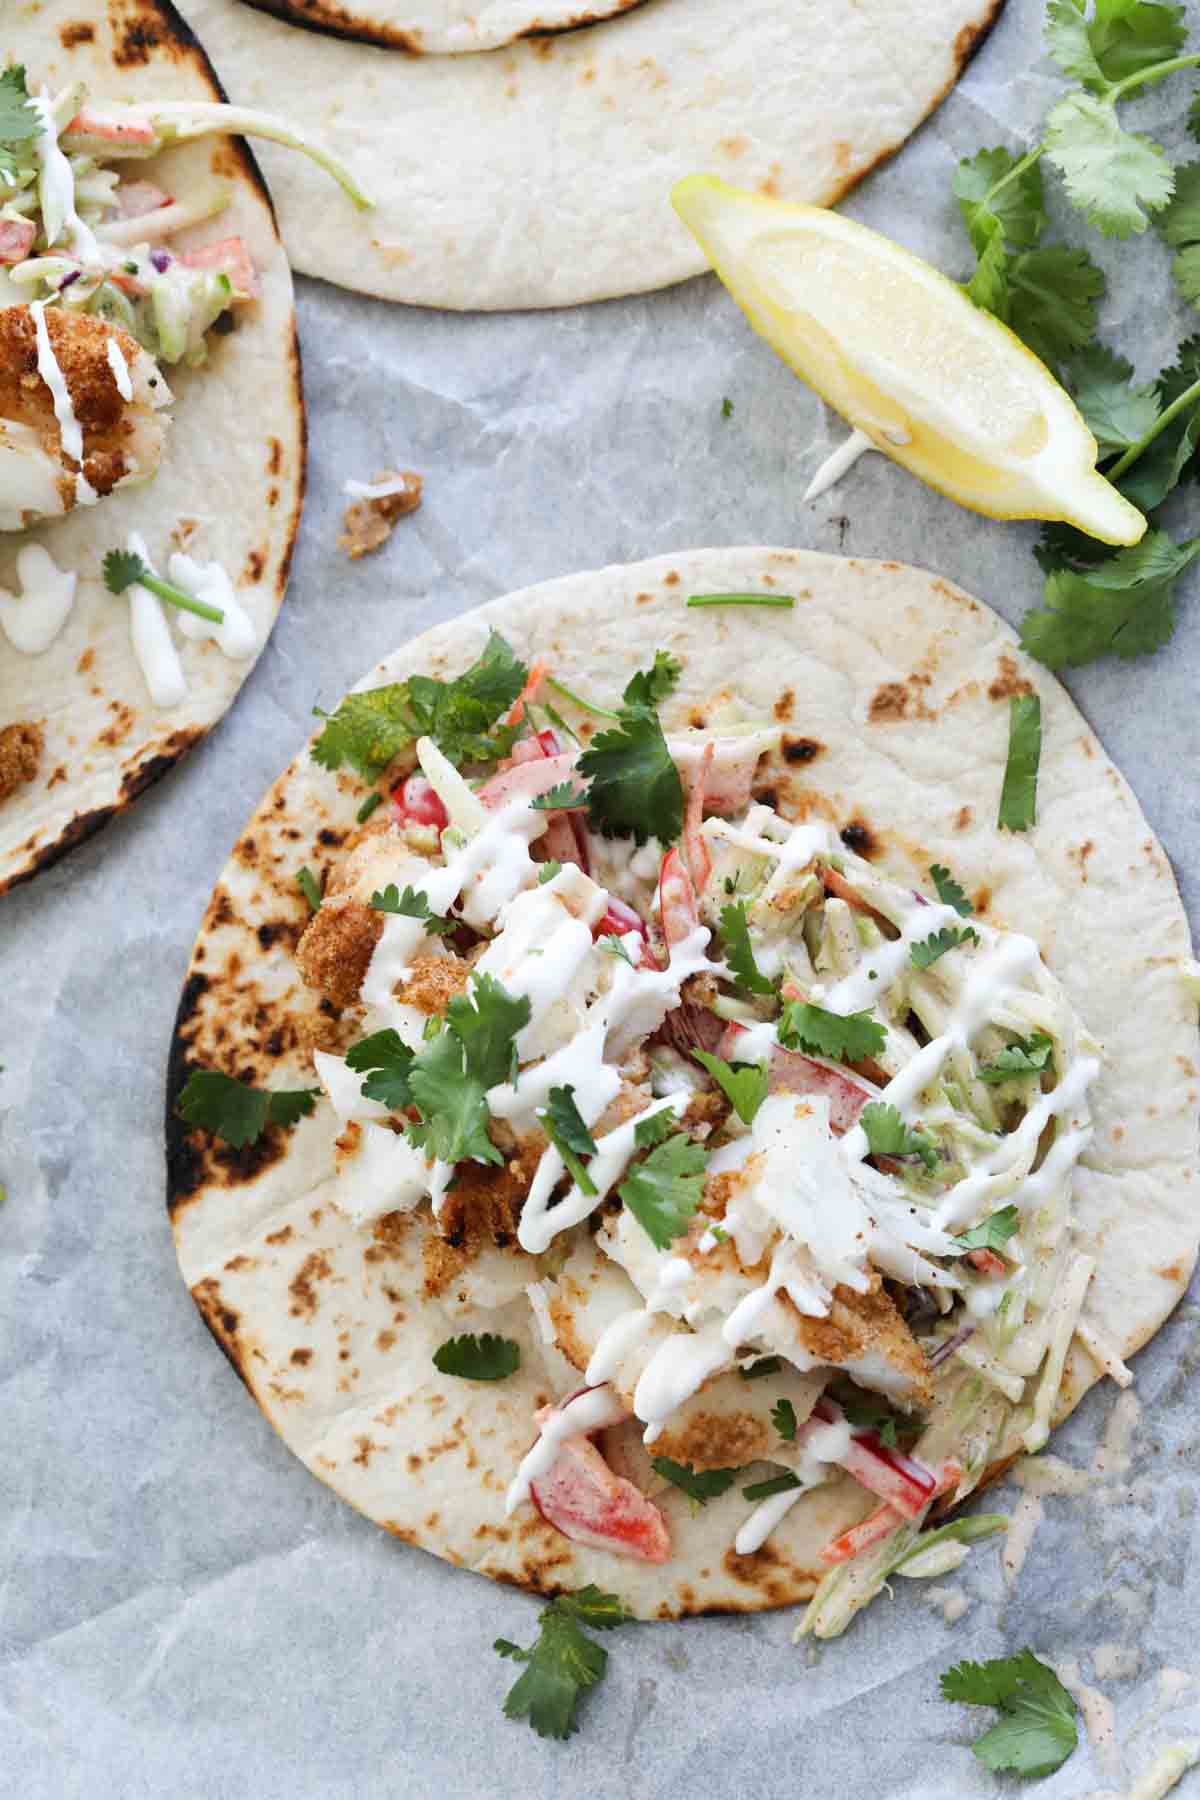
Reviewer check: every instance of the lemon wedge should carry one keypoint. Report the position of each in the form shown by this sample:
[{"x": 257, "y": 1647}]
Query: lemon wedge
[{"x": 900, "y": 351}]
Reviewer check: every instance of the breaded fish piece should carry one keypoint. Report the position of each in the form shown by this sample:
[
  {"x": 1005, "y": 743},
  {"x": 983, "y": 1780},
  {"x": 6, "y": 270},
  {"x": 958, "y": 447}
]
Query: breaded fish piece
[{"x": 122, "y": 438}]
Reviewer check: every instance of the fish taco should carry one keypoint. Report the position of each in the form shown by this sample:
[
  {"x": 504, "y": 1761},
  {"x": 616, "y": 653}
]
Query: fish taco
[
  {"x": 690, "y": 1072},
  {"x": 150, "y": 405}
]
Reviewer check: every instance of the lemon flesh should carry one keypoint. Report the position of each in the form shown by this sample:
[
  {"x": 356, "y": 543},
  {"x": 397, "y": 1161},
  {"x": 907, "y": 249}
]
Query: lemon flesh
[{"x": 937, "y": 384}]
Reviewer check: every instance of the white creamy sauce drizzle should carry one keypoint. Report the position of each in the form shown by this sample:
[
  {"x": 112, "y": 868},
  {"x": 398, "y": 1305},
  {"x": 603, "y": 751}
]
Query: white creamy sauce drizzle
[
  {"x": 70, "y": 430},
  {"x": 150, "y": 633},
  {"x": 588, "y": 1412},
  {"x": 838, "y": 463},
  {"x": 540, "y": 1221},
  {"x": 56, "y": 188},
  {"x": 32, "y": 622},
  {"x": 120, "y": 369},
  {"x": 951, "y": 1602},
  {"x": 375, "y": 490},
  {"x": 1099, "y": 1717},
  {"x": 236, "y": 635},
  {"x": 1169, "y": 1767}
]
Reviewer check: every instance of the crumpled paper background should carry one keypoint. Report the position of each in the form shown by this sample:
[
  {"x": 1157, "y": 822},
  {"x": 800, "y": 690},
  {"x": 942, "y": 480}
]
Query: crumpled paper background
[{"x": 183, "y": 1610}]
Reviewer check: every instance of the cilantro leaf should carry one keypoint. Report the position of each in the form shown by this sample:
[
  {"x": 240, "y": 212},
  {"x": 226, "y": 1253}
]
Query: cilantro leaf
[
  {"x": 563, "y": 1663},
  {"x": 611, "y": 945},
  {"x": 1123, "y": 606},
  {"x": 1038, "y": 1731},
  {"x": 1018, "y": 208},
  {"x": 385, "y": 1059},
  {"x": 950, "y": 937},
  {"x": 483, "y": 1358},
  {"x": 1025, "y": 1056},
  {"x": 777, "y": 1484},
  {"x": 486, "y": 1020},
  {"x": 888, "y": 1135},
  {"x": 651, "y": 686},
  {"x": 988, "y": 286},
  {"x": 1128, "y": 36},
  {"x": 1018, "y": 796},
  {"x": 547, "y": 871},
  {"x": 766, "y": 1365},
  {"x": 873, "y": 1415},
  {"x": 310, "y": 887},
  {"x": 570, "y": 1136},
  {"x": 19, "y": 122},
  {"x": 665, "y": 1190},
  {"x": 1116, "y": 177},
  {"x": 744, "y": 1085},
  {"x": 454, "y": 1114},
  {"x": 655, "y": 1129},
  {"x": 1062, "y": 547},
  {"x": 949, "y": 892},
  {"x": 1052, "y": 295},
  {"x": 739, "y": 952},
  {"x": 842, "y": 1038},
  {"x": 993, "y": 1233},
  {"x": 635, "y": 787},
  {"x": 1118, "y": 412},
  {"x": 369, "y": 730},
  {"x": 563, "y": 797},
  {"x": 236, "y": 1112},
  {"x": 1069, "y": 43},
  {"x": 783, "y": 1418},
  {"x": 412, "y": 904},
  {"x": 699, "y": 1486}
]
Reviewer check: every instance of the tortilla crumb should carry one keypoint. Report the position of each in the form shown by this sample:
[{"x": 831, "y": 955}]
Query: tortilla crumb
[
  {"x": 368, "y": 523},
  {"x": 21, "y": 747}
]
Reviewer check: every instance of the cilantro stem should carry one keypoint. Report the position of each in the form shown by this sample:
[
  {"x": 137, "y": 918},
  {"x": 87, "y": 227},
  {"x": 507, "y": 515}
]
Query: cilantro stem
[
  {"x": 166, "y": 590},
  {"x": 741, "y": 600},
  {"x": 1186, "y": 399},
  {"x": 1140, "y": 76},
  {"x": 1014, "y": 174},
  {"x": 560, "y": 687}
]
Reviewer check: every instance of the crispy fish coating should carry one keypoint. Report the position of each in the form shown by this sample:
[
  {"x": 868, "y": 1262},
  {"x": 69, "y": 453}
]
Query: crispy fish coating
[
  {"x": 337, "y": 946},
  {"x": 20, "y": 752},
  {"x": 122, "y": 439},
  {"x": 368, "y": 523}
]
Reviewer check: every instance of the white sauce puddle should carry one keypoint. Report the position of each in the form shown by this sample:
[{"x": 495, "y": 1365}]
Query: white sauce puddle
[{"x": 32, "y": 622}]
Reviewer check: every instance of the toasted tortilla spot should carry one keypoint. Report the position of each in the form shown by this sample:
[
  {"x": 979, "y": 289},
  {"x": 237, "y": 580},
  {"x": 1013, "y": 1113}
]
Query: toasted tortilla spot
[
  {"x": 1008, "y": 681},
  {"x": 800, "y": 750},
  {"x": 302, "y": 1287}
]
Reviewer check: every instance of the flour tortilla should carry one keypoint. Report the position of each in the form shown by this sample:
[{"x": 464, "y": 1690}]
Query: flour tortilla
[
  {"x": 233, "y": 461},
  {"x": 540, "y": 175},
  {"x": 444, "y": 27},
  {"x": 893, "y": 687}
]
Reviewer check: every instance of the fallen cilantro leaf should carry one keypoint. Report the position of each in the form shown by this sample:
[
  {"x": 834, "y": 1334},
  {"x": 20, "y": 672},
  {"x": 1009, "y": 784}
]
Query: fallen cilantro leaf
[
  {"x": 993, "y": 1233},
  {"x": 483, "y": 1358},
  {"x": 841, "y": 1037},
  {"x": 1123, "y": 606},
  {"x": 1018, "y": 796},
  {"x": 664, "y": 1191},
  {"x": 1117, "y": 177},
  {"x": 566, "y": 1130},
  {"x": 727, "y": 408},
  {"x": 310, "y": 887},
  {"x": 236, "y": 1112},
  {"x": 950, "y": 937},
  {"x": 888, "y": 1135},
  {"x": 949, "y": 892},
  {"x": 1033, "y": 1055},
  {"x": 699, "y": 1486},
  {"x": 369, "y": 730},
  {"x": 739, "y": 952},
  {"x": 412, "y": 904},
  {"x": 783, "y": 1418},
  {"x": 766, "y": 1365},
  {"x": 563, "y": 797},
  {"x": 1038, "y": 1731},
  {"x": 1118, "y": 413},
  {"x": 123, "y": 569},
  {"x": 385, "y": 1059},
  {"x": 563, "y": 1663},
  {"x": 744, "y": 1085},
  {"x": 777, "y": 1484}
]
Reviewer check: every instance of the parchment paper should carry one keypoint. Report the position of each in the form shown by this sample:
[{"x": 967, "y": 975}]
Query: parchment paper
[{"x": 183, "y": 1610}]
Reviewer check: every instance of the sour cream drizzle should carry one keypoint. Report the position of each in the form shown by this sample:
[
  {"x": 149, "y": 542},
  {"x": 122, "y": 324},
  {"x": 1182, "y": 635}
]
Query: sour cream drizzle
[
  {"x": 70, "y": 430},
  {"x": 150, "y": 632},
  {"x": 32, "y": 622},
  {"x": 120, "y": 369}
]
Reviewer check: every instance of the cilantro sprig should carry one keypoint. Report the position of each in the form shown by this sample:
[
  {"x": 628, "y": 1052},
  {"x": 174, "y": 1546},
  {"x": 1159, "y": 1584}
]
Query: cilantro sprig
[
  {"x": 888, "y": 1135},
  {"x": 744, "y": 1085},
  {"x": 841, "y": 1037},
  {"x": 1018, "y": 796},
  {"x": 1037, "y": 1730},
  {"x": 739, "y": 951},
  {"x": 635, "y": 789},
  {"x": 412, "y": 904},
  {"x": 665, "y": 1189},
  {"x": 1033, "y": 1055},
  {"x": 487, "y": 1357},
  {"x": 124, "y": 568},
  {"x": 700, "y": 1486},
  {"x": 949, "y": 892},
  {"x": 563, "y": 1661},
  {"x": 370, "y": 729},
  {"x": 236, "y": 1112},
  {"x": 385, "y": 1059}
]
